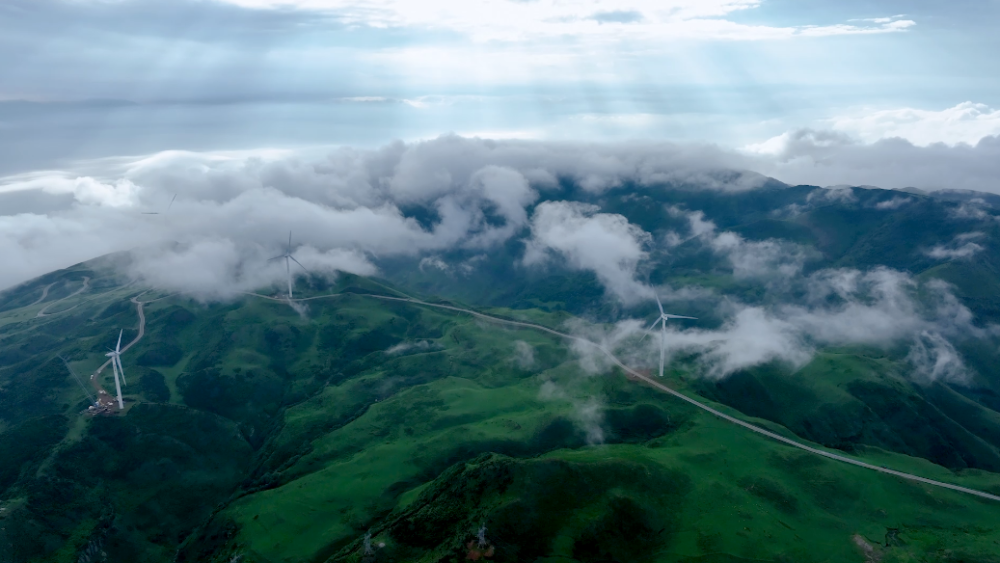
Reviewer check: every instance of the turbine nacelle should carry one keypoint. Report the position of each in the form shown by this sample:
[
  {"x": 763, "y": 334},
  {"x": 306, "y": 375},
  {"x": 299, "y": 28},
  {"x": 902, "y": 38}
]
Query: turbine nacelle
[
  {"x": 116, "y": 366},
  {"x": 287, "y": 255},
  {"x": 662, "y": 321}
]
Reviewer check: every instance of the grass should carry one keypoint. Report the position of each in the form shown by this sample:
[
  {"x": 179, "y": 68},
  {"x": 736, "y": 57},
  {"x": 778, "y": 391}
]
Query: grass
[{"x": 285, "y": 437}]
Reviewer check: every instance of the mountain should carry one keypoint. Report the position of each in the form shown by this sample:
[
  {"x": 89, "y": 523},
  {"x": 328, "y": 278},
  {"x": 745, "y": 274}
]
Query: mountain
[{"x": 854, "y": 321}]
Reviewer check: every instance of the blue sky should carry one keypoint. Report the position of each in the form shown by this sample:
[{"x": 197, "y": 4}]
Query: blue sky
[
  {"x": 239, "y": 74},
  {"x": 334, "y": 115}
]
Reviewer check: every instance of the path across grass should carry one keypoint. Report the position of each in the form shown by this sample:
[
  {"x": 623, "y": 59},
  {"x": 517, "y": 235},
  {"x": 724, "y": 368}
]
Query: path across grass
[{"x": 652, "y": 382}]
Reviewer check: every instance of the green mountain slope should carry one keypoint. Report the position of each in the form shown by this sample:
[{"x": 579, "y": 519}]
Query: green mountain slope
[{"x": 257, "y": 432}]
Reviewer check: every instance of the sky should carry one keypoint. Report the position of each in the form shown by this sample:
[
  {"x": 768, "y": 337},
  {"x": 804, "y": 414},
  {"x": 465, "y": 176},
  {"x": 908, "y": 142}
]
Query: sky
[
  {"x": 87, "y": 79},
  {"x": 247, "y": 118}
]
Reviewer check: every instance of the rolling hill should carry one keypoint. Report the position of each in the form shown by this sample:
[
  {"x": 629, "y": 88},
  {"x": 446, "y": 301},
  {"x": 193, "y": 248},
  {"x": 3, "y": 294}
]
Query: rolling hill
[{"x": 258, "y": 431}]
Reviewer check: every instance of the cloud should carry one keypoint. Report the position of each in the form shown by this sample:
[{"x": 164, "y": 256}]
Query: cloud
[
  {"x": 403, "y": 199},
  {"x": 219, "y": 268},
  {"x": 410, "y": 347},
  {"x": 418, "y": 199},
  {"x": 765, "y": 259},
  {"x": 966, "y": 122},
  {"x": 524, "y": 354},
  {"x": 503, "y": 20},
  {"x": 605, "y": 244},
  {"x": 960, "y": 247},
  {"x": 894, "y": 203},
  {"x": 817, "y": 157},
  {"x": 975, "y": 208},
  {"x": 434, "y": 262},
  {"x": 838, "y": 194},
  {"x": 934, "y": 358},
  {"x": 883, "y": 308},
  {"x": 697, "y": 224},
  {"x": 588, "y": 414}
]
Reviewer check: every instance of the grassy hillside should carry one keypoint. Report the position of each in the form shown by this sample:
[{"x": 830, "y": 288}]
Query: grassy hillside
[{"x": 257, "y": 432}]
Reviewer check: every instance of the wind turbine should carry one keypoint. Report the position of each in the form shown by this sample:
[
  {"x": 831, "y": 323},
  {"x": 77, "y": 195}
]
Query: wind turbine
[
  {"x": 116, "y": 365},
  {"x": 664, "y": 317},
  {"x": 167, "y": 209},
  {"x": 288, "y": 263}
]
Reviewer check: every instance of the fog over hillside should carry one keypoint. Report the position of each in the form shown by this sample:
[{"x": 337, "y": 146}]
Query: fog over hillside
[
  {"x": 221, "y": 217},
  {"x": 348, "y": 204}
]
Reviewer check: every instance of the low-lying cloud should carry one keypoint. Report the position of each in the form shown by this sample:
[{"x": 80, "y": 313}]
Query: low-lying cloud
[
  {"x": 961, "y": 247},
  {"x": 351, "y": 207},
  {"x": 828, "y": 158},
  {"x": 832, "y": 307},
  {"x": 414, "y": 199},
  {"x": 605, "y": 244}
]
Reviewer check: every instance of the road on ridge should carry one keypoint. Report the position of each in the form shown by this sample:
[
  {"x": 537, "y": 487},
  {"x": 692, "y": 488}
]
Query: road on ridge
[
  {"x": 700, "y": 405},
  {"x": 45, "y": 293},
  {"x": 142, "y": 332},
  {"x": 652, "y": 382},
  {"x": 42, "y": 313}
]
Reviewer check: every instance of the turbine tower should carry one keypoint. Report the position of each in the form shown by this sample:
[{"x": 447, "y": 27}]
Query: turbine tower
[
  {"x": 167, "y": 209},
  {"x": 288, "y": 263},
  {"x": 664, "y": 317},
  {"x": 116, "y": 365}
]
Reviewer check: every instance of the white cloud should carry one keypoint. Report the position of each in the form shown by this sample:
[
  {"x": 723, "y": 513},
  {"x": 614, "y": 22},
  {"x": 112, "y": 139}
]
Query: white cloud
[
  {"x": 505, "y": 20},
  {"x": 894, "y": 203},
  {"x": 974, "y": 208},
  {"x": 934, "y": 358},
  {"x": 603, "y": 243},
  {"x": 966, "y": 122},
  {"x": 766, "y": 259},
  {"x": 588, "y": 414},
  {"x": 474, "y": 192},
  {"x": 434, "y": 262},
  {"x": 960, "y": 247},
  {"x": 219, "y": 268},
  {"x": 826, "y": 158},
  {"x": 838, "y": 194},
  {"x": 408, "y": 347},
  {"x": 524, "y": 354},
  {"x": 833, "y": 307}
]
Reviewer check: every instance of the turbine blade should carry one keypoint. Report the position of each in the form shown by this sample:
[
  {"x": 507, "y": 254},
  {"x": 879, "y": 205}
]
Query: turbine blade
[
  {"x": 119, "y": 345},
  {"x": 118, "y": 387},
  {"x": 150, "y": 213},
  {"x": 120, "y": 368},
  {"x": 648, "y": 330},
  {"x": 668, "y": 315},
  {"x": 300, "y": 264},
  {"x": 663, "y": 345},
  {"x": 171, "y": 202},
  {"x": 276, "y": 258},
  {"x": 658, "y": 304},
  {"x": 289, "y": 242}
]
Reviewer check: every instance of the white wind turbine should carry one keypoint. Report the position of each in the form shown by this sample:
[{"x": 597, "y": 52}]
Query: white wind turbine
[
  {"x": 116, "y": 365},
  {"x": 288, "y": 263},
  {"x": 664, "y": 317},
  {"x": 157, "y": 212}
]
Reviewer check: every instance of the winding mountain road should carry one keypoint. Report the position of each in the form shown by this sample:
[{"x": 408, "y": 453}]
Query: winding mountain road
[
  {"x": 42, "y": 313},
  {"x": 700, "y": 405},
  {"x": 651, "y": 382},
  {"x": 142, "y": 332},
  {"x": 45, "y": 293}
]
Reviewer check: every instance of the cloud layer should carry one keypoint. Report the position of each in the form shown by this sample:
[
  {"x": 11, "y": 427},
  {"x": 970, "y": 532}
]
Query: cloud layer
[
  {"x": 232, "y": 210},
  {"x": 503, "y": 20},
  {"x": 826, "y": 157},
  {"x": 838, "y": 307}
]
